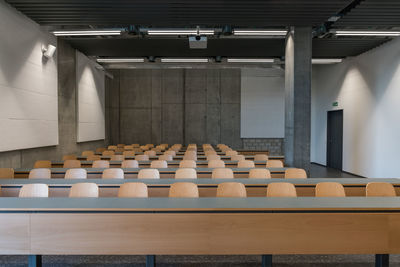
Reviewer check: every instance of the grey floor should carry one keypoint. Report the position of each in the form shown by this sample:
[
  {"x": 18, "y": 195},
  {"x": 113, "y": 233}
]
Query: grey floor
[{"x": 317, "y": 171}]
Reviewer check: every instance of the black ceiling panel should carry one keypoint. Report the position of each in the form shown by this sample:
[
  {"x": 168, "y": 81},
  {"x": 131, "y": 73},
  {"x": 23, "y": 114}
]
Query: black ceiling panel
[
  {"x": 322, "y": 48},
  {"x": 372, "y": 14},
  {"x": 180, "y": 13}
]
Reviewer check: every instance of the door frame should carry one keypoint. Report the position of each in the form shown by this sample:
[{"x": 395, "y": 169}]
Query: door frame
[{"x": 328, "y": 135}]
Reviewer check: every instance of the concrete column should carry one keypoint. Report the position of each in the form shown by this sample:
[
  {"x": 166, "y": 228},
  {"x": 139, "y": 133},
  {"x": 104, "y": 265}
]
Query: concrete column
[{"x": 298, "y": 56}]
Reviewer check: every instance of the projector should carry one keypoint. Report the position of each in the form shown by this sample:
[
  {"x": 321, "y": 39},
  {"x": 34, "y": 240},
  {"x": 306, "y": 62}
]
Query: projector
[{"x": 197, "y": 42}]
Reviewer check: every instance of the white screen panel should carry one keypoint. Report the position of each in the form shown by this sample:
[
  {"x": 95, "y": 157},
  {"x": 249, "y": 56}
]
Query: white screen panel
[
  {"x": 28, "y": 84},
  {"x": 91, "y": 104},
  {"x": 262, "y": 103}
]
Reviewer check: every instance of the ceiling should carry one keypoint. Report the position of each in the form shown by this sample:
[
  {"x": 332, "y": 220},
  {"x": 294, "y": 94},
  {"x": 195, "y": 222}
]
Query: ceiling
[{"x": 73, "y": 14}]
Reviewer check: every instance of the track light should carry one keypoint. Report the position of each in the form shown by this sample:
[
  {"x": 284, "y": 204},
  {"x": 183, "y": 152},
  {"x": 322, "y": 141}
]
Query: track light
[
  {"x": 365, "y": 33},
  {"x": 184, "y": 60},
  {"x": 260, "y": 32},
  {"x": 180, "y": 32},
  {"x": 250, "y": 60},
  {"x": 87, "y": 32},
  {"x": 120, "y": 60},
  {"x": 48, "y": 51},
  {"x": 326, "y": 60}
]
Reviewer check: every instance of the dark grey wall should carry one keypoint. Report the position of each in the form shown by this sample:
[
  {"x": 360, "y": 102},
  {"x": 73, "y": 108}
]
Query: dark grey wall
[
  {"x": 66, "y": 119},
  {"x": 175, "y": 106}
]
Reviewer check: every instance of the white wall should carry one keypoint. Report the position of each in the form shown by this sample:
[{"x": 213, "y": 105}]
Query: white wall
[
  {"x": 91, "y": 103},
  {"x": 367, "y": 88},
  {"x": 28, "y": 84},
  {"x": 262, "y": 103}
]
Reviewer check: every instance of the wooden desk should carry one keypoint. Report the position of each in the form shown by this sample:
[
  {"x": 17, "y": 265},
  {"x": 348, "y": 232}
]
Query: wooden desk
[
  {"x": 205, "y": 226},
  {"x": 207, "y": 187},
  {"x": 146, "y": 164},
  {"x": 164, "y": 173}
]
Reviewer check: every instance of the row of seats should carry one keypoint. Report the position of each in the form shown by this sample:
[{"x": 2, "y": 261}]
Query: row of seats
[
  {"x": 190, "y": 190},
  {"x": 182, "y": 173},
  {"x": 158, "y": 164}
]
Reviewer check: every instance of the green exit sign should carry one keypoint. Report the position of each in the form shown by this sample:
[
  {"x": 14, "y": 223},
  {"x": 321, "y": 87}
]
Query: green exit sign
[{"x": 335, "y": 104}]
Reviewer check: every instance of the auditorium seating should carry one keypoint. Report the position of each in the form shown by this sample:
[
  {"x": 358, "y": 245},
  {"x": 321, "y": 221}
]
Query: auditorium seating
[
  {"x": 71, "y": 163},
  {"x": 185, "y": 173},
  {"x": 329, "y": 189},
  {"x": 281, "y": 190},
  {"x": 231, "y": 189},
  {"x": 133, "y": 190},
  {"x": 40, "y": 173},
  {"x": 187, "y": 164},
  {"x": 380, "y": 190},
  {"x": 76, "y": 174},
  {"x": 113, "y": 174},
  {"x": 6, "y": 173},
  {"x": 274, "y": 164},
  {"x": 84, "y": 190},
  {"x": 216, "y": 164},
  {"x": 34, "y": 190},
  {"x": 149, "y": 174},
  {"x": 184, "y": 190},
  {"x": 260, "y": 173},
  {"x": 101, "y": 164},
  {"x": 129, "y": 164},
  {"x": 295, "y": 173},
  {"x": 42, "y": 164},
  {"x": 222, "y": 173}
]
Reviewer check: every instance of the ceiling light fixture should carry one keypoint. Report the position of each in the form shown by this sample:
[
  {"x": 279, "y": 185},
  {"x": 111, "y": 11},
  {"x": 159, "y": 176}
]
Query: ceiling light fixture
[
  {"x": 87, "y": 32},
  {"x": 184, "y": 60},
  {"x": 365, "y": 33},
  {"x": 250, "y": 60},
  {"x": 180, "y": 32},
  {"x": 260, "y": 32},
  {"x": 120, "y": 60},
  {"x": 326, "y": 60}
]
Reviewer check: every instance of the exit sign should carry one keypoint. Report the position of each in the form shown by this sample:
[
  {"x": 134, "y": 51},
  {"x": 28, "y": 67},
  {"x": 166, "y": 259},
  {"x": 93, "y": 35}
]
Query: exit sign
[{"x": 335, "y": 104}]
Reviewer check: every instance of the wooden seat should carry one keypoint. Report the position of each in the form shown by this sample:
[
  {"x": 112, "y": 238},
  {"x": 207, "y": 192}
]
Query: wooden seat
[
  {"x": 101, "y": 164},
  {"x": 108, "y": 153},
  {"x": 117, "y": 157},
  {"x": 150, "y": 153},
  {"x": 281, "y": 190},
  {"x": 231, "y": 189},
  {"x": 246, "y": 164},
  {"x": 34, "y": 190},
  {"x": 69, "y": 157},
  {"x": 222, "y": 173},
  {"x": 87, "y": 153},
  {"x": 186, "y": 163},
  {"x": 137, "y": 150},
  {"x": 112, "y": 147},
  {"x": 119, "y": 150},
  {"x": 329, "y": 189},
  {"x": 165, "y": 157},
  {"x": 216, "y": 164},
  {"x": 210, "y": 152},
  {"x": 261, "y": 157},
  {"x": 170, "y": 152},
  {"x": 295, "y": 173},
  {"x": 128, "y": 147},
  {"x": 114, "y": 173},
  {"x": 84, "y": 190},
  {"x": 40, "y": 173},
  {"x": 238, "y": 158},
  {"x": 259, "y": 173},
  {"x": 42, "y": 164},
  {"x": 75, "y": 174},
  {"x": 185, "y": 173},
  {"x": 128, "y": 153},
  {"x": 184, "y": 189},
  {"x": 100, "y": 149},
  {"x": 72, "y": 163},
  {"x": 190, "y": 157},
  {"x": 149, "y": 174},
  {"x": 120, "y": 145},
  {"x": 133, "y": 190},
  {"x": 213, "y": 157},
  {"x": 159, "y": 164},
  {"x": 129, "y": 164},
  {"x": 150, "y": 145},
  {"x": 231, "y": 153},
  {"x": 380, "y": 189},
  {"x": 136, "y": 145},
  {"x": 93, "y": 158},
  {"x": 6, "y": 173},
  {"x": 274, "y": 164},
  {"x": 142, "y": 157}
]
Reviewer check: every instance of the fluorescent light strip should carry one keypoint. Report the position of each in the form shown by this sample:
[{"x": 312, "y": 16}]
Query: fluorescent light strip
[
  {"x": 367, "y": 33},
  {"x": 184, "y": 60},
  {"x": 180, "y": 32},
  {"x": 87, "y": 33},
  {"x": 120, "y": 60},
  {"x": 260, "y": 32},
  {"x": 326, "y": 60},
  {"x": 250, "y": 60}
]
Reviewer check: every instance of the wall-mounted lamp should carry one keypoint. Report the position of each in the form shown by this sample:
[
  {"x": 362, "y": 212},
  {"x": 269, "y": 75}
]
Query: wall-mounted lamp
[{"x": 48, "y": 52}]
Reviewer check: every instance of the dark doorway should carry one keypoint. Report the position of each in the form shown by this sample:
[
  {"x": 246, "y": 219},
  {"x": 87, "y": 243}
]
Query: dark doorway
[{"x": 334, "y": 149}]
